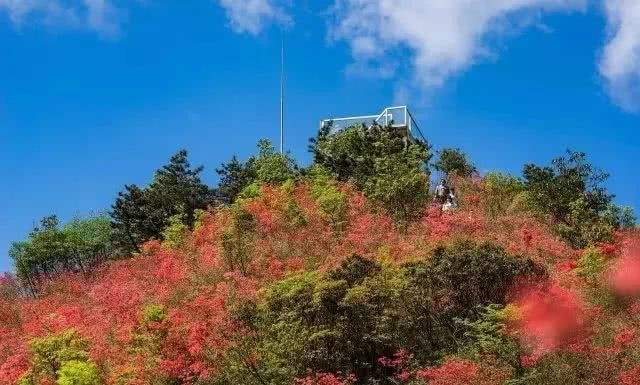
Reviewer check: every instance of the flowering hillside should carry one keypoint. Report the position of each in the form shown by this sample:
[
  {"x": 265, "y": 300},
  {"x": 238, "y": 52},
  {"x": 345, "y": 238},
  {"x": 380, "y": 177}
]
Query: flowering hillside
[{"x": 311, "y": 283}]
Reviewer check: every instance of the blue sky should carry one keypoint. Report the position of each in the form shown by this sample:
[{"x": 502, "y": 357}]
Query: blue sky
[{"x": 95, "y": 94}]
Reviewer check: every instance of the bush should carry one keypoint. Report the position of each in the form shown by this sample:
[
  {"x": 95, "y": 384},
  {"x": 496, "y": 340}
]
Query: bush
[
  {"x": 176, "y": 233},
  {"x": 500, "y": 192},
  {"x": 591, "y": 264},
  {"x": 332, "y": 202},
  {"x": 62, "y": 358},
  {"x": 78, "y": 373}
]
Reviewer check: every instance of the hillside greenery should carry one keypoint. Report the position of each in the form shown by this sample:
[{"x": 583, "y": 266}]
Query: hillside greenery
[{"x": 343, "y": 272}]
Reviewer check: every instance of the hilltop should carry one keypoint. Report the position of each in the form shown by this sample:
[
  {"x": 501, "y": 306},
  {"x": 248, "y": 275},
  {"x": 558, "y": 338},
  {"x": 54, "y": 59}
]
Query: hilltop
[{"x": 343, "y": 272}]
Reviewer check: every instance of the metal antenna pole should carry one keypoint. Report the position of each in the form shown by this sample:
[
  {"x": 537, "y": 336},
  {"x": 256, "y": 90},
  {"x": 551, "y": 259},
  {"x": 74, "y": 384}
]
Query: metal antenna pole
[{"x": 282, "y": 95}]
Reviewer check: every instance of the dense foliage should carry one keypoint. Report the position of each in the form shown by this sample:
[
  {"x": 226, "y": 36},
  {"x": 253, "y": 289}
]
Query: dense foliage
[
  {"x": 50, "y": 249},
  {"x": 571, "y": 191},
  {"x": 140, "y": 214},
  {"x": 452, "y": 161},
  {"x": 381, "y": 161},
  {"x": 342, "y": 273}
]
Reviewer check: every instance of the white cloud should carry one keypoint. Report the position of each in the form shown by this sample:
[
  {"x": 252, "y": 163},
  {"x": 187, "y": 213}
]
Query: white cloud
[
  {"x": 252, "y": 16},
  {"x": 100, "y": 16},
  {"x": 439, "y": 38},
  {"x": 620, "y": 62}
]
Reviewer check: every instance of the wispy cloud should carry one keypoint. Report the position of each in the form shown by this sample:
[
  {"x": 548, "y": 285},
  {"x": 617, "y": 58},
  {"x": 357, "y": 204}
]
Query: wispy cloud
[
  {"x": 620, "y": 61},
  {"x": 252, "y": 16},
  {"x": 100, "y": 16},
  {"x": 439, "y": 38}
]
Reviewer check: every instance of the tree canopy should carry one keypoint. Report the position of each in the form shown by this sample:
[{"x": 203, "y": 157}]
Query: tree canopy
[
  {"x": 141, "y": 214},
  {"x": 453, "y": 161},
  {"x": 381, "y": 161},
  {"x": 571, "y": 190},
  {"x": 50, "y": 248}
]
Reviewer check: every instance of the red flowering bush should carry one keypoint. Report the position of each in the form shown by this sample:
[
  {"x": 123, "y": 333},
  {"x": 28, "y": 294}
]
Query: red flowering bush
[
  {"x": 325, "y": 379},
  {"x": 550, "y": 317},
  {"x": 461, "y": 372},
  {"x": 625, "y": 274}
]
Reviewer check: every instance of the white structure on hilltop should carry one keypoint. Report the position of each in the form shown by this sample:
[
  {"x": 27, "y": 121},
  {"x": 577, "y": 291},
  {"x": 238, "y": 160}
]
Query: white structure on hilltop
[{"x": 398, "y": 117}]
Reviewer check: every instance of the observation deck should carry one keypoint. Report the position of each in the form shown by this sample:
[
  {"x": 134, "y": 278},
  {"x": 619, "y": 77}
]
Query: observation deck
[{"x": 397, "y": 117}]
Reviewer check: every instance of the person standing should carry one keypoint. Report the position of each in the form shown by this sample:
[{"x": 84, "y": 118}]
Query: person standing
[{"x": 442, "y": 192}]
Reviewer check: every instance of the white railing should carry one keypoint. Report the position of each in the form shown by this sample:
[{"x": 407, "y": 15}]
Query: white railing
[{"x": 399, "y": 117}]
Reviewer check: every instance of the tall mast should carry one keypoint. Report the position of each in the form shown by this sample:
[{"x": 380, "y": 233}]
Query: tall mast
[{"x": 282, "y": 94}]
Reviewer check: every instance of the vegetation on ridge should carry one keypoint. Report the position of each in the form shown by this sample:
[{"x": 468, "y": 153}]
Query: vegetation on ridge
[{"x": 340, "y": 273}]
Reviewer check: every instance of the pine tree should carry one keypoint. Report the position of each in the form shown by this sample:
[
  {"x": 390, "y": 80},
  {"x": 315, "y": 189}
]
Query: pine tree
[{"x": 141, "y": 214}]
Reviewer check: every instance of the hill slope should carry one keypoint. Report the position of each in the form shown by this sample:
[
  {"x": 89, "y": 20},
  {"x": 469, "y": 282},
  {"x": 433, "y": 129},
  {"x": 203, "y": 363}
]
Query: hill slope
[{"x": 310, "y": 283}]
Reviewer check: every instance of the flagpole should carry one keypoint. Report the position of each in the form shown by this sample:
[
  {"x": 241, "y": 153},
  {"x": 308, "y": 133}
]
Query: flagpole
[{"x": 282, "y": 80}]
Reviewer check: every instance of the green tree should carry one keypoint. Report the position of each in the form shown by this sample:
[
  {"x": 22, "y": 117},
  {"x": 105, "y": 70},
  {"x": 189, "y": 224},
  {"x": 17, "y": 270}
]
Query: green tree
[
  {"x": 346, "y": 319},
  {"x": 78, "y": 373},
  {"x": 471, "y": 275},
  {"x": 175, "y": 234},
  {"x": 332, "y": 201},
  {"x": 571, "y": 191},
  {"x": 141, "y": 214},
  {"x": 89, "y": 240},
  {"x": 381, "y": 162},
  {"x": 350, "y": 154},
  {"x": 50, "y": 248},
  {"x": 130, "y": 221},
  {"x": 24, "y": 264},
  {"x": 272, "y": 167},
  {"x": 488, "y": 335},
  {"x": 554, "y": 188},
  {"x": 43, "y": 254},
  {"x": 454, "y": 161},
  {"x": 620, "y": 217},
  {"x": 238, "y": 239},
  {"x": 400, "y": 184},
  {"x": 234, "y": 177}
]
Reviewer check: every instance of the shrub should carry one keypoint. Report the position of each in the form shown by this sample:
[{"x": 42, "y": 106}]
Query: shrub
[
  {"x": 591, "y": 264},
  {"x": 175, "y": 234},
  {"x": 62, "y": 358},
  {"x": 78, "y": 373},
  {"x": 332, "y": 202},
  {"x": 500, "y": 192}
]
